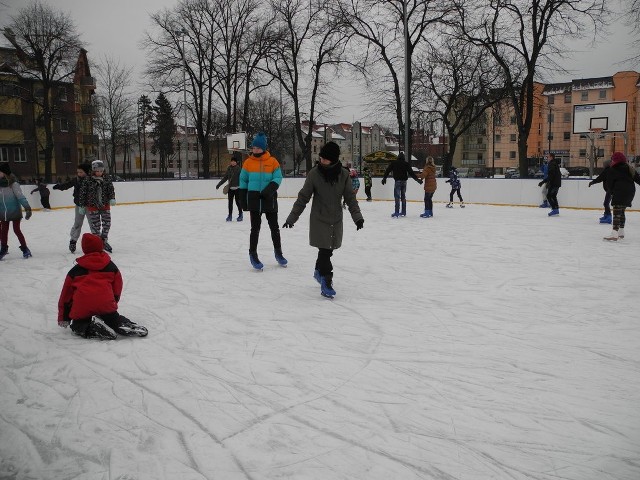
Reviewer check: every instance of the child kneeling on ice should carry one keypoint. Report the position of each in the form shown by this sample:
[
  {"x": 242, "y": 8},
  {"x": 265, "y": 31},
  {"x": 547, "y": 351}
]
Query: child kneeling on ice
[{"x": 90, "y": 294}]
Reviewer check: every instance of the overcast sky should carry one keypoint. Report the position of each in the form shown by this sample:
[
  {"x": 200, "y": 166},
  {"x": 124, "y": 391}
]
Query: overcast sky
[{"x": 115, "y": 28}]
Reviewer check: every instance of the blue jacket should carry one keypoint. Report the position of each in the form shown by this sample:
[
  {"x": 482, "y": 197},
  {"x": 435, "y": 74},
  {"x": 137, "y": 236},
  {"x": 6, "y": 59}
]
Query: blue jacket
[{"x": 11, "y": 198}]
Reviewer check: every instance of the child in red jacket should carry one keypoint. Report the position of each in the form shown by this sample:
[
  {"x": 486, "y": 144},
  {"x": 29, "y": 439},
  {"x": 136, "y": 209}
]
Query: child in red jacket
[{"x": 90, "y": 294}]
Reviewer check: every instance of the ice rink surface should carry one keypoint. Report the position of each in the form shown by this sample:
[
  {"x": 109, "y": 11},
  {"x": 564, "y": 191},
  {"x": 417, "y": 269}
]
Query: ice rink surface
[{"x": 484, "y": 343}]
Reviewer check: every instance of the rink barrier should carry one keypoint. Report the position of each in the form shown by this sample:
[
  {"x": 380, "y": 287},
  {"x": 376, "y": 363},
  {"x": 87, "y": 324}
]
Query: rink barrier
[{"x": 574, "y": 193}]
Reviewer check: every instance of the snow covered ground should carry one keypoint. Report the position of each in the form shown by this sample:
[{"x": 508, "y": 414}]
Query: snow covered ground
[{"x": 484, "y": 343}]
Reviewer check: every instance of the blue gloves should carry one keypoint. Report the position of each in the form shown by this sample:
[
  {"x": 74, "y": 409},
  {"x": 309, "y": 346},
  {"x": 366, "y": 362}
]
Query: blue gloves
[{"x": 112, "y": 202}]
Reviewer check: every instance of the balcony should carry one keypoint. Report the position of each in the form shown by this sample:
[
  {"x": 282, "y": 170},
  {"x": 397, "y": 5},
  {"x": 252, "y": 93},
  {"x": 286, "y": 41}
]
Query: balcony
[
  {"x": 90, "y": 139},
  {"x": 88, "y": 109},
  {"x": 475, "y": 146},
  {"x": 88, "y": 82}
]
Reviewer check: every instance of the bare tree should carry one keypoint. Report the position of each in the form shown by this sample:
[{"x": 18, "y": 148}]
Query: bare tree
[
  {"x": 632, "y": 15},
  {"x": 520, "y": 35},
  {"x": 48, "y": 47},
  {"x": 311, "y": 41},
  {"x": 380, "y": 24},
  {"x": 116, "y": 106},
  {"x": 457, "y": 82}
]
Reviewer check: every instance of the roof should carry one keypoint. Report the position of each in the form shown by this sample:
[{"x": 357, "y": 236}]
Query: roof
[{"x": 592, "y": 83}]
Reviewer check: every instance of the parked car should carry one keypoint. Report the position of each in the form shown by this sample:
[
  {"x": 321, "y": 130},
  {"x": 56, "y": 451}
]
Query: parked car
[
  {"x": 511, "y": 172},
  {"x": 482, "y": 173},
  {"x": 578, "y": 171},
  {"x": 463, "y": 172}
]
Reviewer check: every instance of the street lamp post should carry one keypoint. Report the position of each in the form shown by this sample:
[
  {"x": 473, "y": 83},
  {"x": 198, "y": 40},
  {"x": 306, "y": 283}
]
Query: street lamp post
[{"x": 183, "y": 33}]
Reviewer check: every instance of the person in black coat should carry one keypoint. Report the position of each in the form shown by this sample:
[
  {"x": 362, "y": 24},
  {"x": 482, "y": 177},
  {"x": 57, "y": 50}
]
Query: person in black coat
[
  {"x": 554, "y": 182},
  {"x": 81, "y": 174},
  {"x": 401, "y": 173},
  {"x": 620, "y": 182}
]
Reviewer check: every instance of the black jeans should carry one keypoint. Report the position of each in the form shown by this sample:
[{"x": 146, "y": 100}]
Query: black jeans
[
  {"x": 111, "y": 319},
  {"x": 323, "y": 263},
  {"x": 428, "y": 200},
  {"x": 233, "y": 194},
  {"x": 455, "y": 190},
  {"x": 607, "y": 203},
  {"x": 256, "y": 222},
  {"x": 552, "y": 197},
  {"x": 367, "y": 191}
]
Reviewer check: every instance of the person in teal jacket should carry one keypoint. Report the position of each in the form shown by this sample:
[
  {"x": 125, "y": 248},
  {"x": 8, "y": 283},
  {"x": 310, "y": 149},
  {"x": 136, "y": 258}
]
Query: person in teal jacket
[
  {"x": 260, "y": 178},
  {"x": 11, "y": 199}
]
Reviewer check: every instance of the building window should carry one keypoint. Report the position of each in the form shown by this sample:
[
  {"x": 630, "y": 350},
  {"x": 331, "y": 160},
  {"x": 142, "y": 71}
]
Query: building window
[
  {"x": 550, "y": 118},
  {"x": 170, "y": 163},
  {"x": 513, "y": 120},
  {"x": 600, "y": 153},
  {"x": 154, "y": 163},
  {"x": 62, "y": 94},
  {"x": 497, "y": 154},
  {"x": 480, "y": 141},
  {"x": 64, "y": 125},
  {"x": 550, "y": 136},
  {"x": 20, "y": 155},
  {"x": 498, "y": 138},
  {"x": 566, "y": 135},
  {"x": 603, "y": 93},
  {"x": 582, "y": 153},
  {"x": 567, "y": 98},
  {"x": 551, "y": 100},
  {"x": 566, "y": 117},
  {"x": 4, "y": 154},
  {"x": 512, "y": 137},
  {"x": 512, "y": 154},
  {"x": 584, "y": 96}
]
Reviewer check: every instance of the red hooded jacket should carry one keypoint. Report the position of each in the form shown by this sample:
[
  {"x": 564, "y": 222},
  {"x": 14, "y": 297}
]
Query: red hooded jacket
[{"x": 93, "y": 286}]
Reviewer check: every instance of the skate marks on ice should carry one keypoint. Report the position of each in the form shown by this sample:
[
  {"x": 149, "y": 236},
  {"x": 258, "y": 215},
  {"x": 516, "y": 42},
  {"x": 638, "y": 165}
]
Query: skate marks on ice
[{"x": 452, "y": 349}]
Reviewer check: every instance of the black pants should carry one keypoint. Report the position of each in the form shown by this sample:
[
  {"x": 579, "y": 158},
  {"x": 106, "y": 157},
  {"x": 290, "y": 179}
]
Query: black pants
[
  {"x": 428, "y": 200},
  {"x": 256, "y": 222},
  {"x": 111, "y": 319},
  {"x": 233, "y": 194},
  {"x": 552, "y": 197},
  {"x": 607, "y": 203},
  {"x": 367, "y": 191},
  {"x": 323, "y": 263},
  {"x": 455, "y": 190},
  {"x": 45, "y": 202}
]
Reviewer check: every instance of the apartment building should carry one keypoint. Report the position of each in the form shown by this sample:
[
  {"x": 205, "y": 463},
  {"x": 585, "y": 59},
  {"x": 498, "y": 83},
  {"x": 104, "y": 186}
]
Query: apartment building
[
  {"x": 493, "y": 142},
  {"x": 21, "y": 129}
]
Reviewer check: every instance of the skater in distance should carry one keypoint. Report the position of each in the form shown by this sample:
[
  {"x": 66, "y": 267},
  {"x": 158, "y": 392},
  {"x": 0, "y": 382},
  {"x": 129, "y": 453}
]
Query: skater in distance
[
  {"x": 328, "y": 183},
  {"x": 90, "y": 295},
  {"x": 81, "y": 174},
  {"x": 401, "y": 171},
  {"x": 232, "y": 175},
  {"x": 553, "y": 183},
  {"x": 11, "y": 199}
]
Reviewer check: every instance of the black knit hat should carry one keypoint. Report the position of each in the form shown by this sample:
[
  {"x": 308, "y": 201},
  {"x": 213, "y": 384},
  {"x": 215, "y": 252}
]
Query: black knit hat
[
  {"x": 330, "y": 151},
  {"x": 86, "y": 167},
  {"x": 4, "y": 168}
]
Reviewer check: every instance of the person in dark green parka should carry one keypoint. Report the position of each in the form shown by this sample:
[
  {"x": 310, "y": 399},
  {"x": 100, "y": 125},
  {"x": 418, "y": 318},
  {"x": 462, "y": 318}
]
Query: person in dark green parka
[{"x": 328, "y": 182}]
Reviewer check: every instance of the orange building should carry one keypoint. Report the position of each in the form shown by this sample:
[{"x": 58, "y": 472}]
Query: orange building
[{"x": 552, "y": 128}]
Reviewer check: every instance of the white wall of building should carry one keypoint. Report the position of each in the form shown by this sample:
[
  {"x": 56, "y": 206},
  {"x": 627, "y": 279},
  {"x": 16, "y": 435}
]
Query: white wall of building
[{"x": 574, "y": 193}]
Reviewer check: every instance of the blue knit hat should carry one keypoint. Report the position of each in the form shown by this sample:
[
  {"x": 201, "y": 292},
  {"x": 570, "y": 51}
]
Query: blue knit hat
[{"x": 260, "y": 141}]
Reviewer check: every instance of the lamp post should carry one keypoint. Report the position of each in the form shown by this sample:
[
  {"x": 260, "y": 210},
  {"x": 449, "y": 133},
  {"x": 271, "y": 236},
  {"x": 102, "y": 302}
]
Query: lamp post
[{"x": 183, "y": 33}]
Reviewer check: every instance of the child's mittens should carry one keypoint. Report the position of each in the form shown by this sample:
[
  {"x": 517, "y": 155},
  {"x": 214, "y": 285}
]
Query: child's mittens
[
  {"x": 112, "y": 202},
  {"x": 63, "y": 323},
  {"x": 82, "y": 210}
]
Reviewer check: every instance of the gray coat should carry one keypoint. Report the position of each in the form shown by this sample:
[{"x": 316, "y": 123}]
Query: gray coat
[{"x": 325, "y": 221}]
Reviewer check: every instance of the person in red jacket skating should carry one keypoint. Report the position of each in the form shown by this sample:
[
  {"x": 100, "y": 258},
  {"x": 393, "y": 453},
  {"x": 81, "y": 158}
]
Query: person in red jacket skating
[{"x": 90, "y": 294}]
